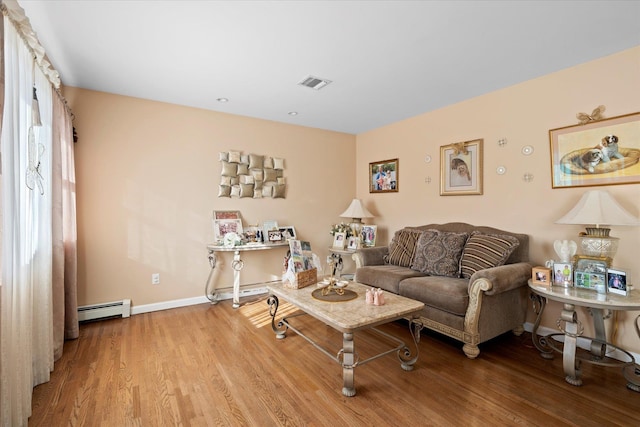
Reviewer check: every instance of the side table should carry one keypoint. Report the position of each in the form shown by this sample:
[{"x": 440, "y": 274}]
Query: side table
[
  {"x": 238, "y": 263},
  {"x": 572, "y": 329},
  {"x": 336, "y": 254}
]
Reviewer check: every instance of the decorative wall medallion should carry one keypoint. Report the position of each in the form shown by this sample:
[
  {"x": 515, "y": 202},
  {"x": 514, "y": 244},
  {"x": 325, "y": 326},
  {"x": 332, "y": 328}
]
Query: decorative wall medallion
[{"x": 251, "y": 176}]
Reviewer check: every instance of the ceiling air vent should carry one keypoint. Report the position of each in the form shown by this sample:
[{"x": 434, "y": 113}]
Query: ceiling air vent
[{"x": 315, "y": 83}]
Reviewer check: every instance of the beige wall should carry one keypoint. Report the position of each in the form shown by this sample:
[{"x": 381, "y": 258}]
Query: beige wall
[
  {"x": 147, "y": 181},
  {"x": 147, "y": 176},
  {"x": 523, "y": 114}
]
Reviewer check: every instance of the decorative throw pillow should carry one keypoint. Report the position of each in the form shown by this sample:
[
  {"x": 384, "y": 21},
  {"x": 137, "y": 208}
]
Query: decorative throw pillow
[
  {"x": 229, "y": 169},
  {"x": 258, "y": 174},
  {"x": 244, "y": 159},
  {"x": 278, "y": 163},
  {"x": 257, "y": 184},
  {"x": 270, "y": 175},
  {"x": 224, "y": 191},
  {"x": 243, "y": 169},
  {"x": 267, "y": 190},
  {"x": 402, "y": 247},
  {"x": 246, "y": 190},
  {"x": 256, "y": 161},
  {"x": 234, "y": 156},
  {"x": 235, "y": 191},
  {"x": 225, "y": 180},
  {"x": 268, "y": 162},
  {"x": 223, "y": 156},
  {"x": 278, "y": 191},
  {"x": 246, "y": 179},
  {"x": 438, "y": 253},
  {"x": 485, "y": 251}
]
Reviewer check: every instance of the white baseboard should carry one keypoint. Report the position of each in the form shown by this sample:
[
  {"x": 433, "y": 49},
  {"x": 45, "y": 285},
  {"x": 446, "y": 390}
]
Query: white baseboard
[
  {"x": 165, "y": 305},
  {"x": 583, "y": 343}
]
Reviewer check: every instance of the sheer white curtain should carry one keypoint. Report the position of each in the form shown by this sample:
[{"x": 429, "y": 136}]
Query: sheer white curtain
[{"x": 26, "y": 351}]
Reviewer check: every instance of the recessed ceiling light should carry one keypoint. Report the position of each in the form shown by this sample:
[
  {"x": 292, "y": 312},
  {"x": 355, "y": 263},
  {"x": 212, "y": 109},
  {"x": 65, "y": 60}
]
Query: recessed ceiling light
[
  {"x": 222, "y": 99},
  {"x": 293, "y": 113}
]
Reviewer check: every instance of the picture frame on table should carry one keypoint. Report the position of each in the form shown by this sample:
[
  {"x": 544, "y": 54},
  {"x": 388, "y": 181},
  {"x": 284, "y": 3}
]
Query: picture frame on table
[
  {"x": 223, "y": 226},
  {"x": 274, "y": 236},
  {"x": 288, "y": 232},
  {"x": 339, "y": 240},
  {"x": 384, "y": 176},
  {"x": 617, "y": 281},
  {"x": 563, "y": 274},
  {"x": 368, "y": 235},
  {"x": 603, "y": 152},
  {"x": 267, "y": 226},
  {"x": 352, "y": 243},
  {"x": 461, "y": 168},
  {"x": 226, "y": 215},
  {"x": 541, "y": 276}
]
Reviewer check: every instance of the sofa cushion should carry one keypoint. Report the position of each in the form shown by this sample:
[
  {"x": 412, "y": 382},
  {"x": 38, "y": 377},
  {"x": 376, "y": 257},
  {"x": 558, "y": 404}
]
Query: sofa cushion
[
  {"x": 386, "y": 276},
  {"x": 438, "y": 253},
  {"x": 402, "y": 247},
  {"x": 485, "y": 251},
  {"x": 444, "y": 293}
]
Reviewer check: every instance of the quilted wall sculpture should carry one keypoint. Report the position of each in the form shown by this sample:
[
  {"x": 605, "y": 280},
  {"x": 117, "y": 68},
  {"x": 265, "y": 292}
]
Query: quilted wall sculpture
[{"x": 251, "y": 175}]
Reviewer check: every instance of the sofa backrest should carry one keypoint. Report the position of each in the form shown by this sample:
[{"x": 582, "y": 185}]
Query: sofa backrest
[{"x": 520, "y": 254}]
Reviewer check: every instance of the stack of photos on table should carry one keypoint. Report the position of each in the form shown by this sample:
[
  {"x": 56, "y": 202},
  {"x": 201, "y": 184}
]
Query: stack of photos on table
[{"x": 301, "y": 255}]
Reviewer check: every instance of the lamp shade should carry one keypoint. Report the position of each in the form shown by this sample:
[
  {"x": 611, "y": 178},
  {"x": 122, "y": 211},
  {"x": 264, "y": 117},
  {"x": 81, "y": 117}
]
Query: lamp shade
[
  {"x": 356, "y": 210},
  {"x": 598, "y": 207}
]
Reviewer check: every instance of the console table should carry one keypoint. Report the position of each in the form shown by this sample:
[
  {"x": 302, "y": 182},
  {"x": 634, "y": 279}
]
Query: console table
[
  {"x": 238, "y": 263},
  {"x": 572, "y": 329}
]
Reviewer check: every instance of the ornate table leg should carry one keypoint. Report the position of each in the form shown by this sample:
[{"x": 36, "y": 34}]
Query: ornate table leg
[
  {"x": 539, "y": 303},
  {"x": 212, "y": 262},
  {"x": 572, "y": 330},
  {"x": 348, "y": 364},
  {"x": 404, "y": 354},
  {"x": 237, "y": 266},
  {"x": 632, "y": 371},
  {"x": 281, "y": 328},
  {"x": 598, "y": 346}
]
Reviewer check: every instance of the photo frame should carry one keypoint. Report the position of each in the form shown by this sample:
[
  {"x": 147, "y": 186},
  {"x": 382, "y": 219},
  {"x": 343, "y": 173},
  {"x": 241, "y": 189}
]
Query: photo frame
[
  {"x": 617, "y": 281},
  {"x": 267, "y": 226},
  {"x": 563, "y": 274},
  {"x": 604, "y": 152},
  {"x": 223, "y": 226},
  {"x": 352, "y": 243},
  {"x": 339, "y": 240},
  {"x": 461, "y": 168},
  {"x": 368, "y": 235},
  {"x": 541, "y": 276},
  {"x": 226, "y": 215},
  {"x": 274, "y": 236},
  {"x": 383, "y": 176},
  {"x": 288, "y": 232}
]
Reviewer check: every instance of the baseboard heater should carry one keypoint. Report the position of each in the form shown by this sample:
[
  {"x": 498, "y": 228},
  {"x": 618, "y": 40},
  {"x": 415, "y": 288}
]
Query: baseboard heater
[{"x": 105, "y": 310}]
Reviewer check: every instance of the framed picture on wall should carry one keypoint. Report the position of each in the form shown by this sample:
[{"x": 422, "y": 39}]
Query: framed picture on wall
[
  {"x": 383, "y": 176},
  {"x": 461, "y": 168},
  {"x": 604, "y": 152}
]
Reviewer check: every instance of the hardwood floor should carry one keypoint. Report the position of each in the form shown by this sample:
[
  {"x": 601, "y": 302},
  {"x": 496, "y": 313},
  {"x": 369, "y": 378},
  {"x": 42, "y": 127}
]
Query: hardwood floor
[{"x": 211, "y": 365}]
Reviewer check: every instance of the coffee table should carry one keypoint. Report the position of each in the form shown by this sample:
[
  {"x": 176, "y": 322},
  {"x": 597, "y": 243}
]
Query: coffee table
[{"x": 349, "y": 317}]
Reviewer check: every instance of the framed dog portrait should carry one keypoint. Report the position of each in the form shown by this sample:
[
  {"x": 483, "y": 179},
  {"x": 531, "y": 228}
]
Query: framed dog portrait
[
  {"x": 461, "y": 168},
  {"x": 603, "y": 152},
  {"x": 383, "y": 176}
]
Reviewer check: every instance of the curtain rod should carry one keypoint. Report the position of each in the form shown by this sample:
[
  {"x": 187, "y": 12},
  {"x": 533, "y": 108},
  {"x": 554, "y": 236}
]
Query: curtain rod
[{"x": 15, "y": 13}]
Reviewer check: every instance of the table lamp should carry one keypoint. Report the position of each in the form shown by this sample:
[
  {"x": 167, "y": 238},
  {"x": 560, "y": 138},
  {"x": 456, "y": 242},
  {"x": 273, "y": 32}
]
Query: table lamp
[
  {"x": 595, "y": 209},
  {"x": 356, "y": 211}
]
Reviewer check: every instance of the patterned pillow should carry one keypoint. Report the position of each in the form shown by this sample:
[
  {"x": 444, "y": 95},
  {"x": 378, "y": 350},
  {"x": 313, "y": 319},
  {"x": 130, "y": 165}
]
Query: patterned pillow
[
  {"x": 402, "y": 247},
  {"x": 485, "y": 251},
  {"x": 438, "y": 253}
]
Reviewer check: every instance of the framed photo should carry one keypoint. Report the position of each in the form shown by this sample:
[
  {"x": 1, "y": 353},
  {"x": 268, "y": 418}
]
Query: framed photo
[
  {"x": 267, "y": 226},
  {"x": 288, "y": 232},
  {"x": 461, "y": 168},
  {"x": 541, "y": 276},
  {"x": 352, "y": 243},
  {"x": 594, "y": 281},
  {"x": 368, "y": 235},
  {"x": 617, "y": 281},
  {"x": 226, "y": 215},
  {"x": 339, "y": 240},
  {"x": 224, "y": 226},
  {"x": 563, "y": 274},
  {"x": 383, "y": 176},
  {"x": 274, "y": 236},
  {"x": 605, "y": 152}
]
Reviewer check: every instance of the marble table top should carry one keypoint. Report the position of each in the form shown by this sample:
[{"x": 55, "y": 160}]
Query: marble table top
[{"x": 348, "y": 316}]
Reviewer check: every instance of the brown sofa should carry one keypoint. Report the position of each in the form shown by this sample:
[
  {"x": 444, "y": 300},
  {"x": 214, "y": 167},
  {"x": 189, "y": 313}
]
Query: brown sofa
[{"x": 450, "y": 267}]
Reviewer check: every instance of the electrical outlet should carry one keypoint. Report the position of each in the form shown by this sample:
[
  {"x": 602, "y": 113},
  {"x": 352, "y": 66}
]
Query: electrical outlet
[{"x": 155, "y": 279}]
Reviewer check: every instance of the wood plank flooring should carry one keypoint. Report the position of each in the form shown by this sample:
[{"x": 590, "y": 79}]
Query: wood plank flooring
[{"x": 211, "y": 365}]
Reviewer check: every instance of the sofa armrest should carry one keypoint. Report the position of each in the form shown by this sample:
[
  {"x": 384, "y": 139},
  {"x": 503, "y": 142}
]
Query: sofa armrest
[
  {"x": 370, "y": 256},
  {"x": 503, "y": 278}
]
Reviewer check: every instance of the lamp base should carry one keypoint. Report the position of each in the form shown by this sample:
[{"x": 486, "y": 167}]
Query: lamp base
[{"x": 599, "y": 246}]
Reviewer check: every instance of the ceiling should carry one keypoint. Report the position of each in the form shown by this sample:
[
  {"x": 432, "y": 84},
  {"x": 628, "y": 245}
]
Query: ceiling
[{"x": 387, "y": 60}]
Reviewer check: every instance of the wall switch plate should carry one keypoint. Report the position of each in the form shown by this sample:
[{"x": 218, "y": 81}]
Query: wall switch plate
[{"x": 155, "y": 279}]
